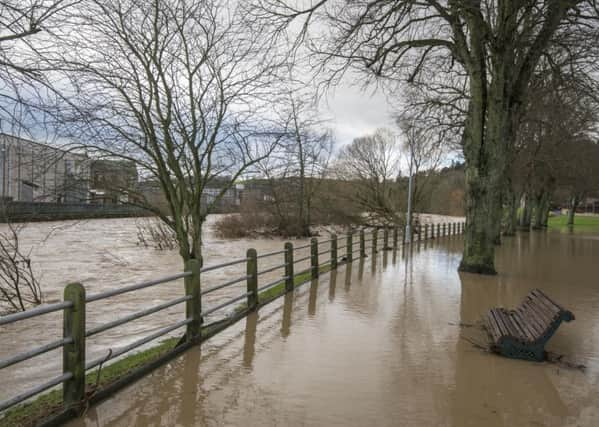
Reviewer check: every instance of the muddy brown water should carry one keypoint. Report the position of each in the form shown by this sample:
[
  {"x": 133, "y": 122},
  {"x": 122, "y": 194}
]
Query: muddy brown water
[
  {"x": 381, "y": 344},
  {"x": 103, "y": 255}
]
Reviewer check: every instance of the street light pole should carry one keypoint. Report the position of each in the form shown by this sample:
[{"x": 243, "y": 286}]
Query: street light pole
[{"x": 409, "y": 213}]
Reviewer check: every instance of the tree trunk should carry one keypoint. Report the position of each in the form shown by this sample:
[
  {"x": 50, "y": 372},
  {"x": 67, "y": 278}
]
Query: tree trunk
[
  {"x": 573, "y": 205},
  {"x": 524, "y": 222},
  {"x": 486, "y": 147},
  {"x": 545, "y": 218},
  {"x": 540, "y": 210},
  {"x": 511, "y": 214}
]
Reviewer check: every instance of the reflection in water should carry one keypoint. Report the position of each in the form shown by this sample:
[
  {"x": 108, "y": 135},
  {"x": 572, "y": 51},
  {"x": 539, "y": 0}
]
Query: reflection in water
[
  {"x": 373, "y": 262},
  {"x": 361, "y": 262},
  {"x": 348, "y": 274},
  {"x": 313, "y": 295},
  {"x": 250, "y": 339},
  {"x": 387, "y": 352},
  {"x": 332, "y": 284}
]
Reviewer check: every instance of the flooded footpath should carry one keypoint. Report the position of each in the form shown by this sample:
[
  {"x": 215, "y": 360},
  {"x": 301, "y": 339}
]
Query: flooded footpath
[{"x": 381, "y": 342}]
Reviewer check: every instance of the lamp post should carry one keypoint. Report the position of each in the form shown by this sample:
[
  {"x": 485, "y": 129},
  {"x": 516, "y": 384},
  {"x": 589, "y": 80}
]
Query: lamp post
[{"x": 409, "y": 213}]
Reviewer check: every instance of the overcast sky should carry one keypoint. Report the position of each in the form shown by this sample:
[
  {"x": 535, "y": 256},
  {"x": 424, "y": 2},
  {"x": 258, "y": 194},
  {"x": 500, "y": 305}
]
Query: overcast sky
[{"x": 355, "y": 112}]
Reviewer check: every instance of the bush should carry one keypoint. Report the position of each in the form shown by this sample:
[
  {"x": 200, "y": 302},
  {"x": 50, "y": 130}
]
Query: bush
[{"x": 237, "y": 226}]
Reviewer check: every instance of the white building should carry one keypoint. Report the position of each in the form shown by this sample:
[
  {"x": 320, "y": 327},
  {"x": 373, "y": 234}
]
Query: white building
[{"x": 34, "y": 172}]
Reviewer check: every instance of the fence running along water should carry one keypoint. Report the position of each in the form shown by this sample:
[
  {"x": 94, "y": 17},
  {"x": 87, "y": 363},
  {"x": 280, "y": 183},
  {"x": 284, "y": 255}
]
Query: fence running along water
[{"x": 75, "y": 300}]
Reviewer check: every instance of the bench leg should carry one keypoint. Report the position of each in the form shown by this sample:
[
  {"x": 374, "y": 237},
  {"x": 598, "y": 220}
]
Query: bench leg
[{"x": 515, "y": 350}]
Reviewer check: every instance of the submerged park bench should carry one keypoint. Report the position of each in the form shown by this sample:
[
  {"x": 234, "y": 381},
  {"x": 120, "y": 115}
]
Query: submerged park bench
[{"x": 522, "y": 333}]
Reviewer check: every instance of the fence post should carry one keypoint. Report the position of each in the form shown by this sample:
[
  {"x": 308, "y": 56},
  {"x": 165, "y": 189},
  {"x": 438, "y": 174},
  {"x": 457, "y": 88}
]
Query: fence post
[
  {"x": 252, "y": 280},
  {"x": 333, "y": 251},
  {"x": 193, "y": 306},
  {"x": 349, "y": 247},
  {"x": 425, "y": 231},
  {"x": 453, "y": 228},
  {"x": 362, "y": 244},
  {"x": 444, "y": 229},
  {"x": 395, "y": 237},
  {"x": 438, "y": 229},
  {"x": 374, "y": 238},
  {"x": 432, "y": 231},
  {"x": 314, "y": 257},
  {"x": 385, "y": 238},
  {"x": 288, "y": 266},
  {"x": 73, "y": 354}
]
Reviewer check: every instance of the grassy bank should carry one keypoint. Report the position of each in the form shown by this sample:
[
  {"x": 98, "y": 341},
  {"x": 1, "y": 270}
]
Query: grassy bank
[
  {"x": 50, "y": 403},
  {"x": 581, "y": 222}
]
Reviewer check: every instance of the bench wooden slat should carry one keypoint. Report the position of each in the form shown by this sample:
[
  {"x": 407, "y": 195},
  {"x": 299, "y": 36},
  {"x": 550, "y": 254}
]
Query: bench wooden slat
[
  {"x": 493, "y": 326},
  {"x": 551, "y": 305},
  {"x": 530, "y": 324},
  {"x": 495, "y": 329},
  {"x": 503, "y": 327},
  {"x": 521, "y": 324},
  {"x": 513, "y": 330},
  {"x": 534, "y": 321},
  {"x": 537, "y": 319},
  {"x": 546, "y": 313}
]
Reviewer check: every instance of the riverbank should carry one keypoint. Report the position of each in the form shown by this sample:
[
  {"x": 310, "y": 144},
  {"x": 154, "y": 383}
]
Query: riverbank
[{"x": 36, "y": 212}]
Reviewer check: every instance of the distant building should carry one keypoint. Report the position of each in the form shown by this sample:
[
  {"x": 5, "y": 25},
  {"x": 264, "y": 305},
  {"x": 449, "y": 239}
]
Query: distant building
[
  {"x": 34, "y": 172},
  {"x": 112, "y": 181},
  {"x": 152, "y": 194}
]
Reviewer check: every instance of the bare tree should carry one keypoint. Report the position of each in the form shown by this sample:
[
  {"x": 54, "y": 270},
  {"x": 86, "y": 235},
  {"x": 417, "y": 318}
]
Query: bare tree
[
  {"x": 372, "y": 163},
  {"x": 19, "y": 287},
  {"x": 179, "y": 88},
  {"x": 25, "y": 27},
  {"x": 295, "y": 170}
]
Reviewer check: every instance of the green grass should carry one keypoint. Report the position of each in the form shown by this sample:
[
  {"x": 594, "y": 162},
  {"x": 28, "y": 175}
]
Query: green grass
[
  {"x": 50, "y": 403},
  {"x": 581, "y": 222},
  {"x": 279, "y": 289}
]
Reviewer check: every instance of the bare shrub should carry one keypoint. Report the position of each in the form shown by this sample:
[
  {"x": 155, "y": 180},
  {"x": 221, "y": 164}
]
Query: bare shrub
[
  {"x": 19, "y": 287},
  {"x": 153, "y": 233}
]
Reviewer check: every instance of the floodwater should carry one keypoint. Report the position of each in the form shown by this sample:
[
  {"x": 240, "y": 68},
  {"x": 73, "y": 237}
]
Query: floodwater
[
  {"x": 104, "y": 255},
  {"x": 386, "y": 342}
]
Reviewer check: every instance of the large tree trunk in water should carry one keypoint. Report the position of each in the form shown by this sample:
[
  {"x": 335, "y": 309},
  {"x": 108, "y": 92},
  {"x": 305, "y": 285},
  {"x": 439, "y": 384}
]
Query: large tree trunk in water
[
  {"x": 573, "y": 205},
  {"x": 545, "y": 218},
  {"x": 524, "y": 222},
  {"x": 511, "y": 214},
  {"x": 540, "y": 210},
  {"x": 486, "y": 147}
]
